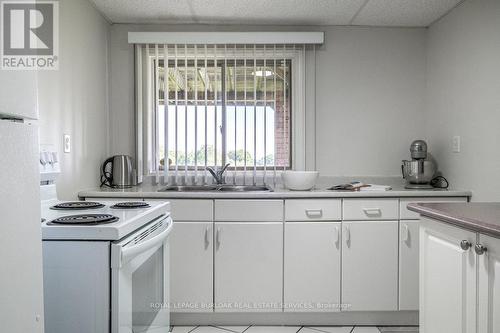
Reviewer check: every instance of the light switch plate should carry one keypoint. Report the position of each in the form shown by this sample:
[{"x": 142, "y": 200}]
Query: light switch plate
[
  {"x": 456, "y": 144},
  {"x": 67, "y": 143}
]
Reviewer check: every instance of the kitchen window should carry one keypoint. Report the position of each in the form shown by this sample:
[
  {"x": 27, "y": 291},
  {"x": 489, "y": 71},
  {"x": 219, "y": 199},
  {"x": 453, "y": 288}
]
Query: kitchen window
[{"x": 211, "y": 105}]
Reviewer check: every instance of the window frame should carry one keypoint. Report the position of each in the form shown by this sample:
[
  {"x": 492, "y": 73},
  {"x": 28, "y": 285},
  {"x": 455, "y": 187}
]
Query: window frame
[{"x": 146, "y": 98}]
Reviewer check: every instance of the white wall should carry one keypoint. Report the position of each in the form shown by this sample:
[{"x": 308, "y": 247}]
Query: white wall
[
  {"x": 74, "y": 99},
  {"x": 463, "y": 96},
  {"x": 369, "y": 99},
  {"x": 369, "y": 95}
]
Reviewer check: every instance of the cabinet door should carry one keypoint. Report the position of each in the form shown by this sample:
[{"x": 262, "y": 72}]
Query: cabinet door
[
  {"x": 408, "y": 264},
  {"x": 248, "y": 266},
  {"x": 447, "y": 279},
  {"x": 489, "y": 285},
  {"x": 370, "y": 265},
  {"x": 191, "y": 277},
  {"x": 312, "y": 266}
]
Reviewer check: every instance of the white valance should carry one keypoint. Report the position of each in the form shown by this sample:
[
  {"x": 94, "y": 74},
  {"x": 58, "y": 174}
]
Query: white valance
[{"x": 287, "y": 37}]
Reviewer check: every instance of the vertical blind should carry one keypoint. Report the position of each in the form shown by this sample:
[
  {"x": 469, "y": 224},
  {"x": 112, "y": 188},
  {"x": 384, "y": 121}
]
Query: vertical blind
[{"x": 201, "y": 105}]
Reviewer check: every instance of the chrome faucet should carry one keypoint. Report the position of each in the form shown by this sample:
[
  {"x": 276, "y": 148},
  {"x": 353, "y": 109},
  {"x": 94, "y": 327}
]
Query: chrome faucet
[{"x": 218, "y": 174}]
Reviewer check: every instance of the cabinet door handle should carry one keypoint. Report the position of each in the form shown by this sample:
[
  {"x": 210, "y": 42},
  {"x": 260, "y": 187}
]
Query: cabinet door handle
[
  {"x": 372, "y": 211},
  {"x": 312, "y": 213},
  {"x": 480, "y": 249},
  {"x": 218, "y": 238},
  {"x": 465, "y": 245},
  {"x": 207, "y": 239},
  {"x": 405, "y": 233},
  {"x": 336, "y": 235},
  {"x": 347, "y": 233}
]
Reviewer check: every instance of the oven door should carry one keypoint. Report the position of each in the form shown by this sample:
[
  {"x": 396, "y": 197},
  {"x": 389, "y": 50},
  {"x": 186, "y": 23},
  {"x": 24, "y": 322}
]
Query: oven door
[{"x": 139, "y": 280}]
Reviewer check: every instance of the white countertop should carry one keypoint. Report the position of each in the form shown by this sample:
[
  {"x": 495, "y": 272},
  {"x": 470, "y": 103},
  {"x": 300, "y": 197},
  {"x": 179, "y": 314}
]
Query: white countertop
[{"x": 320, "y": 191}]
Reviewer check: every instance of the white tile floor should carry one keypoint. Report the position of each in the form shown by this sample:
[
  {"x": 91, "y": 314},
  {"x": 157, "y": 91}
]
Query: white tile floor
[
  {"x": 336, "y": 329},
  {"x": 238, "y": 329},
  {"x": 292, "y": 329}
]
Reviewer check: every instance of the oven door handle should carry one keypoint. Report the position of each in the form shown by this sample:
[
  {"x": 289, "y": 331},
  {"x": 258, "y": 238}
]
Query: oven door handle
[{"x": 128, "y": 253}]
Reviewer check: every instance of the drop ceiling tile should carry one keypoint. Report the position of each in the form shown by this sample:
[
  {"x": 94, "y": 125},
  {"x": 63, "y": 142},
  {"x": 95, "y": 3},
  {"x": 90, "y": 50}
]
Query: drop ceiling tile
[
  {"x": 142, "y": 11},
  {"x": 279, "y": 12},
  {"x": 412, "y": 13}
]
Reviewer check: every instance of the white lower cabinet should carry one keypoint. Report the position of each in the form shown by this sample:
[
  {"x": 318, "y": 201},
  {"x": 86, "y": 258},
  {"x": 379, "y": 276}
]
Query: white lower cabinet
[
  {"x": 315, "y": 263},
  {"x": 447, "y": 278},
  {"x": 370, "y": 265},
  {"x": 191, "y": 279},
  {"x": 408, "y": 264},
  {"x": 489, "y": 286},
  {"x": 248, "y": 266},
  {"x": 312, "y": 266}
]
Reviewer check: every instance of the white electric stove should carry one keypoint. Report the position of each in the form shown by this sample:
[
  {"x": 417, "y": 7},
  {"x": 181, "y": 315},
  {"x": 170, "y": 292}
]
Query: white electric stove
[
  {"x": 129, "y": 219},
  {"x": 105, "y": 264}
]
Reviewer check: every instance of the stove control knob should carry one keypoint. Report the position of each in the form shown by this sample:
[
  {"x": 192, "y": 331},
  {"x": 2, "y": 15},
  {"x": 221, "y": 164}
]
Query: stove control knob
[
  {"x": 43, "y": 161},
  {"x": 55, "y": 158},
  {"x": 49, "y": 158}
]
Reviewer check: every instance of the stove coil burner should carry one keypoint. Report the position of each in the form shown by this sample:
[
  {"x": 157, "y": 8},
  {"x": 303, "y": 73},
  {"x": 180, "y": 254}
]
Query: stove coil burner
[
  {"x": 85, "y": 219},
  {"x": 77, "y": 205},
  {"x": 131, "y": 205}
]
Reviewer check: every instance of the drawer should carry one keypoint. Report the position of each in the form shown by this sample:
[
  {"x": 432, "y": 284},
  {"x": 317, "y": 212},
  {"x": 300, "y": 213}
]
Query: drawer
[
  {"x": 191, "y": 210},
  {"x": 249, "y": 210},
  {"x": 371, "y": 209},
  {"x": 406, "y": 214},
  {"x": 313, "y": 210}
]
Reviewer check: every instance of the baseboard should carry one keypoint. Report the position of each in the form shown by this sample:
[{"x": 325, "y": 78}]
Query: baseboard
[{"x": 389, "y": 318}]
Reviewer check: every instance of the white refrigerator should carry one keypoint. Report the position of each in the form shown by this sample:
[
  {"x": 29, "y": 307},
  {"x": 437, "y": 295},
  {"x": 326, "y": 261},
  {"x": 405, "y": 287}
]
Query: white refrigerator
[{"x": 21, "y": 285}]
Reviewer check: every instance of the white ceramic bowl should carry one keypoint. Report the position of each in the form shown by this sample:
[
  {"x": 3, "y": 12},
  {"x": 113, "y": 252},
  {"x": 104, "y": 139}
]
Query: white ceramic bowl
[{"x": 299, "y": 180}]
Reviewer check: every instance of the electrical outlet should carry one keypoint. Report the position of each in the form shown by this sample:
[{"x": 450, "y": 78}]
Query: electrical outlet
[
  {"x": 456, "y": 144},
  {"x": 67, "y": 143}
]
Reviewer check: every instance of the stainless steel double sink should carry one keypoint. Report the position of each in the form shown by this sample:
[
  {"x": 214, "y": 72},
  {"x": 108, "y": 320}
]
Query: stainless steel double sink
[{"x": 216, "y": 188}]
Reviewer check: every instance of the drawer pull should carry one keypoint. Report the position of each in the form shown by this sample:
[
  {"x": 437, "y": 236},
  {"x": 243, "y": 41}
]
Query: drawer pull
[
  {"x": 314, "y": 213},
  {"x": 372, "y": 211},
  {"x": 480, "y": 249},
  {"x": 465, "y": 245}
]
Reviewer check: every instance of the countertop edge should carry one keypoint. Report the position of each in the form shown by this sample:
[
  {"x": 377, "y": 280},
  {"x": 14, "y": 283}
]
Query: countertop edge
[
  {"x": 466, "y": 223},
  {"x": 269, "y": 195}
]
